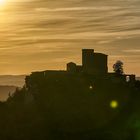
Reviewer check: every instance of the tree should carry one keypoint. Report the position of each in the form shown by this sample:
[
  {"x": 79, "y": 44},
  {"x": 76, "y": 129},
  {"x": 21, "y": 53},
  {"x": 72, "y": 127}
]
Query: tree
[{"x": 118, "y": 67}]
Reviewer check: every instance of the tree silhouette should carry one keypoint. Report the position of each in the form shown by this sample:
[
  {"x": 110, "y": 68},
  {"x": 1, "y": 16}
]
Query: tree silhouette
[{"x": 118, "y": 67}]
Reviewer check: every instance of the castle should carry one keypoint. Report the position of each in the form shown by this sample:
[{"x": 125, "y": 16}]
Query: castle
[
  {"x": 96, "y": 64},
  {"x": 92, "y": 63},
  {"x": 83, "y": 97}
]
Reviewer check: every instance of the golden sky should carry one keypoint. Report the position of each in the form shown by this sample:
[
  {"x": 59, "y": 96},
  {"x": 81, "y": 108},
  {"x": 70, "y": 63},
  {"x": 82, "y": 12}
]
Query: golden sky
[{"x": 46, "y": 34}]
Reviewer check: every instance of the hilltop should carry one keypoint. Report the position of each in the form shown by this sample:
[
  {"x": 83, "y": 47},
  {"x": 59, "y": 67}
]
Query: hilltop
[
  {"x": 57, "y": 105},
  {"x": 84, "y": 102}
]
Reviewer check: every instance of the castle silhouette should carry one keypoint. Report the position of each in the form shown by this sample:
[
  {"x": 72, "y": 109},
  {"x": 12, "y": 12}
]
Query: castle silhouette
[
  {"x": 96, "y": 64},
  {"x": 93, "y": 64}
]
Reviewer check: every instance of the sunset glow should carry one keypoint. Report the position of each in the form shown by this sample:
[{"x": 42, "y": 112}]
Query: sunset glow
[
  {"x": 38, "y": 35},
  {"x": 2, "y": 2}
]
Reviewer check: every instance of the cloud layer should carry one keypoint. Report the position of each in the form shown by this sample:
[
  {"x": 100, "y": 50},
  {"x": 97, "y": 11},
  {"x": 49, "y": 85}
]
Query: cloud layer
[{"x": 40, "y": 34}]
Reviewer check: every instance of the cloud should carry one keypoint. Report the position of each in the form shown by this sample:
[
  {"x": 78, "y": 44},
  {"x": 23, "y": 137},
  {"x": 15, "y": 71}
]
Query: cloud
[
  {"x": 47, "y": 31},
  {"x": 132, "y": 51}
]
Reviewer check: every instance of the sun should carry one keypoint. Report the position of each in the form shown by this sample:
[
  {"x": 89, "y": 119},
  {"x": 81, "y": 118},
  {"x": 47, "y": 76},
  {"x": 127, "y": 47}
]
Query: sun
[{"x": 2, "y": 2}]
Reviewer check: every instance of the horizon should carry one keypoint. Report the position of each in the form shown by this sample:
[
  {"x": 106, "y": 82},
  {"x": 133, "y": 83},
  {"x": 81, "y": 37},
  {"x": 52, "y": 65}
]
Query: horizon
[{"x": 38, "y": 35}]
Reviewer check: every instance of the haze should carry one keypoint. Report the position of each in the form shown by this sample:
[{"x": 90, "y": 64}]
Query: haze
[{"x": 46, "y": 34}]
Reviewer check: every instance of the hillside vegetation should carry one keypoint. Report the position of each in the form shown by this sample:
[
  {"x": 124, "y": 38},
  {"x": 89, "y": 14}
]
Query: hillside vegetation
[{"x": 64, "y": 106}]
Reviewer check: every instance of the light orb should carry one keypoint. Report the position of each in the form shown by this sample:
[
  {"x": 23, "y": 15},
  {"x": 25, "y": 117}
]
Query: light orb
[
  {"x": 114, "y": 104},
  {"x": 90, "y": 87}
]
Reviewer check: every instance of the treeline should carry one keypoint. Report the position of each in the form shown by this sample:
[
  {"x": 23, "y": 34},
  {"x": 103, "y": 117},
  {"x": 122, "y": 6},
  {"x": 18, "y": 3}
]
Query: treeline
[{"x": 30, "y": 115}]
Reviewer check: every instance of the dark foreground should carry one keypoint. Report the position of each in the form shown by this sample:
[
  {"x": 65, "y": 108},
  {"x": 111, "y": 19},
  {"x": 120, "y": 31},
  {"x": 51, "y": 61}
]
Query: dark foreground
[{"x": 58, "y": 107}]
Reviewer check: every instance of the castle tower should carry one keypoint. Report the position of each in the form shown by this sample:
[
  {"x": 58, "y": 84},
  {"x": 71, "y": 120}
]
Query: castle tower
[
  {"x": 87, "y": 60},
  {"x": 94, "y": 63},
  {"x": 100, "y": 63}
]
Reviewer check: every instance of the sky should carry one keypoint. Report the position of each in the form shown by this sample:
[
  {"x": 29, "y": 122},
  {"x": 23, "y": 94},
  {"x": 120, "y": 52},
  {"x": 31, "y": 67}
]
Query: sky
[{"x": 38, "y": 35}]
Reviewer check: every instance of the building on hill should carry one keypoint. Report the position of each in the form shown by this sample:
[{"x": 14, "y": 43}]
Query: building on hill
[
  {"x": 96, "y": 64},
  {"x": 71, "y": 67},
  {"x": 92, "y": 63}
]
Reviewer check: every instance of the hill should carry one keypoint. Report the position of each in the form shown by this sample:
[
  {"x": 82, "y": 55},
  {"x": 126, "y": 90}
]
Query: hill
[
  {"x": 80, "y": 106},
  {"x": 138, "y": 78},
  {"x": 86, "y": 102},
  {"x": 5, "y": 90},
  {"x": 14, "y": 80},
  {"x": 8, "y": 83},
  {"x": 57, "y": 105}
]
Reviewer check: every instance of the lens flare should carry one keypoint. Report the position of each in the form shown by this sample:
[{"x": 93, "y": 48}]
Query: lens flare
[{"x": 114, "y": 104}]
